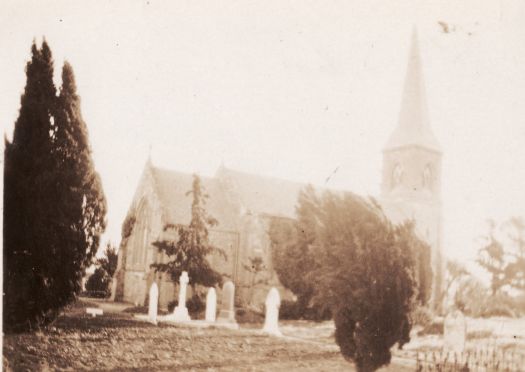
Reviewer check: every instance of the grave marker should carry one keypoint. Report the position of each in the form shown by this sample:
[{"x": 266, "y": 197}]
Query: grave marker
[
  {"x": 94, "y": 311},
  {"x": 153, "y": 303},
  {"x": 211, "y": 305},
  {"x": 271, "y": 321},
  {"x": 455, "y": 331},
  {"x": 180, "y": 314},
  {"x": 227, "y": 313}
]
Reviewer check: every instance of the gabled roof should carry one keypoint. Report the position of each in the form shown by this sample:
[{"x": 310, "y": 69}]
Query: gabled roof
[
  {"x": 414, "y": 124},
  {"x": 172, "y": 188},
  {"x": 231, "y": 194},
  {"x": 260, "y": 194}
]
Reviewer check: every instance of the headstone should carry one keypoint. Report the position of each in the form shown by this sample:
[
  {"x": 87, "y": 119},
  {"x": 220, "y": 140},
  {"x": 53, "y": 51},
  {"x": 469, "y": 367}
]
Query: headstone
[
  {"x": 180, "y": 314},
  {"x": 227, "y": 313},
  {"x": 153, "y": 303},
  {"x": 455, "y": 331},
  {"x": 113, "y": 289},
  {"x": 94, "y": 311},
  {"x": 271, "y": 321},
  {"x": 211, "y": 305}
]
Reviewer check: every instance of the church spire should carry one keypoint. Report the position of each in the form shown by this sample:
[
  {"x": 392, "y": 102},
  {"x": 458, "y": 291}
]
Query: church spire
[{"x": 413, "y": 127}]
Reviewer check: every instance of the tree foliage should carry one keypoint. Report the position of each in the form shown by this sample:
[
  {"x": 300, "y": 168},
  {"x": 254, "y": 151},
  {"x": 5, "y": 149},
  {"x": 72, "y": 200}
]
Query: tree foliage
[
  {"x": 293, "y": 256},
  {"x": 98, "y": 283},
  {"x": 100, "y": 280},
  {"x": 515, "y": 269},
  {"x": 54, "y": 206},
  {"x": 365, "y": 271},
  {"x": 109, "y": 261},
  {"x": 191, "y": 246},
  {"x": 502, "y": 254}
]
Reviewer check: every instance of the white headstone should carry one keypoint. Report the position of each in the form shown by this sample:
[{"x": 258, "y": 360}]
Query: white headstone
[
  {"x": 211, "y": 305},
  {"x": 180, "y": 314},
  {"x": 113, "y": 289},
  {"x": 227, "y": 313},
  {"x": 271, "y": 321},
  {"x": 153, "y": 303},
  {"x": 455, "y": 331},
  {"x": 94, "y": 311}
]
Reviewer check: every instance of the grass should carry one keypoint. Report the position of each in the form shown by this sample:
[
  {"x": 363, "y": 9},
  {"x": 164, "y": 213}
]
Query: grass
[{"x": 116, "y": 341}]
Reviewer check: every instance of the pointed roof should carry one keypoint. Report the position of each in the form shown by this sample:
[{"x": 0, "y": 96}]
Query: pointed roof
[
  {"x": 172, "y": 190},
  {"x": 261, "y": 194},
  {"x": 413, "y": 127}
]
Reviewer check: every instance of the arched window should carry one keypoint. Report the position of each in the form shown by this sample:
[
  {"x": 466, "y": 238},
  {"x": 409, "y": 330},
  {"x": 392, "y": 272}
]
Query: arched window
[
  {"x": 427, "y": 177},
  {"x": 141, "y": 238},
  {"x": 397, "y": 175}
]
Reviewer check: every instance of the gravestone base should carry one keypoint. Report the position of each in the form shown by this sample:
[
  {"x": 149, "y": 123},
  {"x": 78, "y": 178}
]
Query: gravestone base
[
  {"x": 272, "y": 331},
  {"x": 181, "y": 315},
  {"x": 226, "y": 318}
]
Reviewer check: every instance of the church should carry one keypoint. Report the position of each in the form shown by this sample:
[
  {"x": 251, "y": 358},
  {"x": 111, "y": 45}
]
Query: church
[{"x": 245, "y": 204}]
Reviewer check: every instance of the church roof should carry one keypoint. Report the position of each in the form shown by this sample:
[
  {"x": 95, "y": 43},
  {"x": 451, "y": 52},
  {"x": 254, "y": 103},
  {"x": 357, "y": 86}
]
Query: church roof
[
  {"x": 172, "y": 188},
  {"x": 260, "y": 194},
  {"x": 231, "y": 194},
  {"x": 414, "y": 124}
]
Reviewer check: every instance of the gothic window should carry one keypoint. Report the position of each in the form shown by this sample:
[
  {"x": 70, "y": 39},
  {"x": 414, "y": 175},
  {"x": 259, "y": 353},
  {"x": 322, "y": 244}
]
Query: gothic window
[
  {"x": 427, "y": 177},
  {"x": 397, "y": 176},
  {"x": 140, "y": 239},
  {"x": 144, "y": 243}
]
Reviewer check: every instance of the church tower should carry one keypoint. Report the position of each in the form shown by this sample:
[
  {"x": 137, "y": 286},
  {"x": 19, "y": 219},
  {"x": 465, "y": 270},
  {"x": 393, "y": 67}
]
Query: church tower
[{"x": 411, "y": 181}]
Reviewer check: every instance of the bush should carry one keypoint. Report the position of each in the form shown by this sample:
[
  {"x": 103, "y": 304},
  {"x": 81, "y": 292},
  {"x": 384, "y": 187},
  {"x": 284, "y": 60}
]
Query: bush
[
  {"x": 495, "y": 308},
  {"x": 290, "y": 310},
  {"x": 172, "y": 305},
  {"x": 295, "y": 310},
  {"x": 249, "y": 316},
  {"x": 195, "y": 304},
  {"x": 422, "y": 316},
  {"x": 99, "y": 282},
  {"x": 435, "y": 327},
  {"x": 95, "y": 294},
  {"x": 366, "y": 274}
]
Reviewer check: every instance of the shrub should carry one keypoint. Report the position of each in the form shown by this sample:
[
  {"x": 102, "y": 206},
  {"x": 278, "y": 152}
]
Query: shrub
[
  {"x": 249, "y": 316},
  {"x": 365, "y": 272},
  {"x": 290, "y": 310},
  {"x": 99, "y": 283},
  {"x": 95, "y": 294},
  {"x": 495, "y": 308},
  {"x": 435, "y": 327},
  {"x": 422, "y": 316},
  {"x": 195, "y": 304},
  {"x": 172, "y": 305}
]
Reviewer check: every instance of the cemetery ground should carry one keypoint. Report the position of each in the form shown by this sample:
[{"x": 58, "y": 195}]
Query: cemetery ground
[{"x": 116, "y": 341}]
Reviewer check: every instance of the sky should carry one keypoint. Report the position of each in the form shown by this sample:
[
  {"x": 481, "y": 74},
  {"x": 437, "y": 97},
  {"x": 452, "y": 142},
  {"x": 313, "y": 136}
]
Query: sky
[{"x": 301, "y": 90}]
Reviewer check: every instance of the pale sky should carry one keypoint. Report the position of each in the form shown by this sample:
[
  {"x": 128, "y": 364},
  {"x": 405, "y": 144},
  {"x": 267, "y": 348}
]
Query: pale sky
[{"x": 292, "y": 89}]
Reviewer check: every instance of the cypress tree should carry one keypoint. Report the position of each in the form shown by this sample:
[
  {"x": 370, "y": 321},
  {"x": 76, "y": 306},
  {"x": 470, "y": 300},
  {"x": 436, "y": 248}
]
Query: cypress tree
[
  {"x": 80, "y": 203},
  {"x": 54, "y": 207},
  {"x": 27, "y": 182}
]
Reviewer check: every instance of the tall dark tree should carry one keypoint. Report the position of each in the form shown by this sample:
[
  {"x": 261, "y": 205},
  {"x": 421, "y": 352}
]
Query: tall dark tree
[
  {"x": 190, "y": 250},
  {"x": 365, "y": 271},
  {"x": 28, "y": 180},
  {"x": 54, "y": 205},
  {"x": 292, "y": 252}
]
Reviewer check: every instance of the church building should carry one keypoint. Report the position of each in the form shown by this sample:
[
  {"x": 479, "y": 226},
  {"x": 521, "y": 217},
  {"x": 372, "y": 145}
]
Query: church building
[{"x": 244, "y": 205}]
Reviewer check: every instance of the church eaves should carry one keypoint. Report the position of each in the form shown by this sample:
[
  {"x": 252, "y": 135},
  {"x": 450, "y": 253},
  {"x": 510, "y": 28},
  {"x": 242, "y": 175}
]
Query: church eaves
[{"x": 413, "y": 127}]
